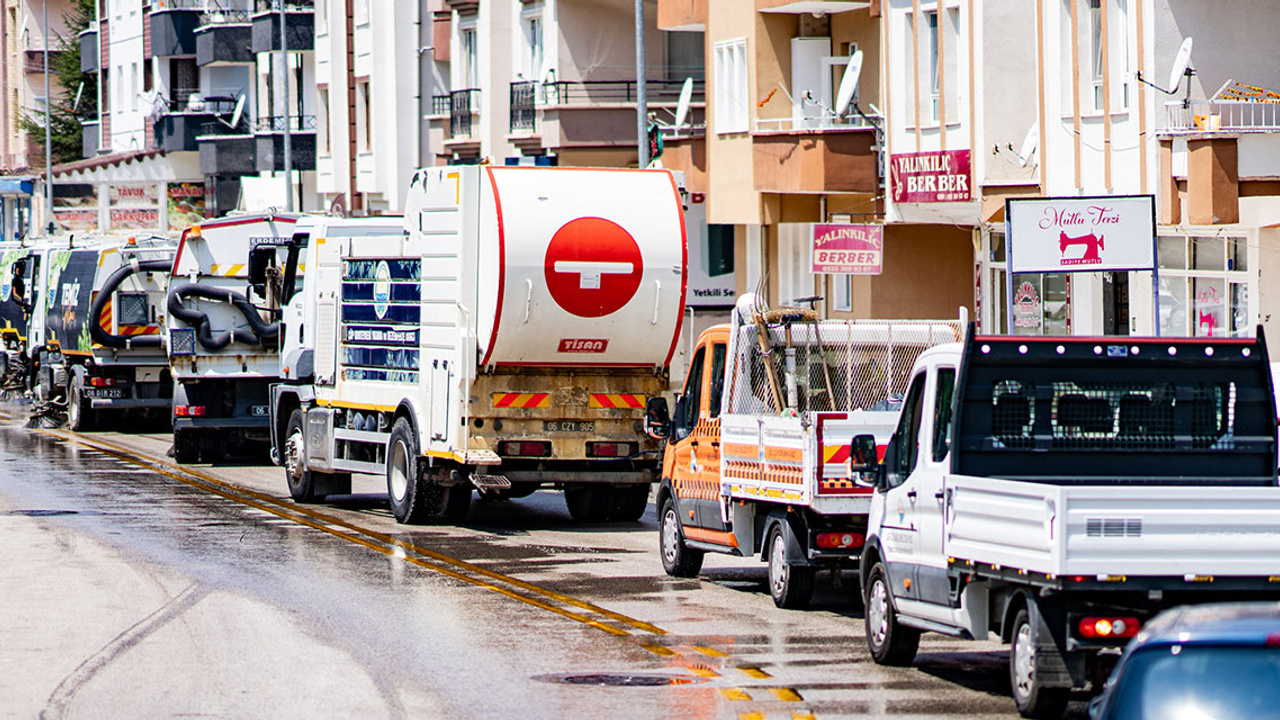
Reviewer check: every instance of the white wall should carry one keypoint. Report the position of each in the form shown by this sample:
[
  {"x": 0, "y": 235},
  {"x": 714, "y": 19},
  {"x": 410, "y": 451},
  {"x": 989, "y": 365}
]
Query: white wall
[{"x": 124, "y": 30}]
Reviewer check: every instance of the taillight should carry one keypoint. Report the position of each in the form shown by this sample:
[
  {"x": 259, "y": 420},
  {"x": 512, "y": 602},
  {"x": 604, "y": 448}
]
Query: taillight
[
  {"x": 611, "y": 449},
  {"x": 525, "y": 448},
  {"x": 1105, "y": 628},
  {"x": 839, "y": 541},
  {"x": 188, "y": 410},
  {"x": 1273, "y": 640},
  {"x": 102, "y": 382}
]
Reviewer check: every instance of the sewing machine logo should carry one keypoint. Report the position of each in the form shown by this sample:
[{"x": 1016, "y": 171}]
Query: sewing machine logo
[
  {"x": 1092, "y": 243},
  {"x": 1208, "y": 301}
]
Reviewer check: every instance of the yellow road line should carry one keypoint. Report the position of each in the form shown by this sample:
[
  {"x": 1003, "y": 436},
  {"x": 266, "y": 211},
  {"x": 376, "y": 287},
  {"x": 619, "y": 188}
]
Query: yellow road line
[
  {"x": 803, "y": 715},
  {"x": 754, "y": 672},
  {"x": 710, "y": 651},
  {"x": 753, "y": 715},
  {"x": 660, "y": 650},
  {"x": 734, "y": 694},
  {"x": 436, "y": 562},
  {"x": 786, "y": 694}
]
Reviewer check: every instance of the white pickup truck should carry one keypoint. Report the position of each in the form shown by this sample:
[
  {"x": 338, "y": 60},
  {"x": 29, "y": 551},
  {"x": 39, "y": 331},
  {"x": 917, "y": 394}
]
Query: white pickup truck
[{"x": 1060, "y": 491}]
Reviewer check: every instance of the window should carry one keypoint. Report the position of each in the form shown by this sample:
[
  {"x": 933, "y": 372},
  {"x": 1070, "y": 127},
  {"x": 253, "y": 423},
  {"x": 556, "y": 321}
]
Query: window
[
  {"x": 842, "y": 291},
  {"x": 687, "y": 406},
  {"x": 1204, "y": 287},
  {"x": 322, "y": 119},
  {"x": 686, "y": 55},
  {"x": 362, "y": 12},
  {"x": 932, "y": 50},
  {"x": 148, "y": 79},
  {"x": 1041, "y": 302},
  {"x": 133, "y": 86},
  {"x": 1102, "y": 47},
  {"x": 322, "y": 17},
  {"x": 942, "y": 408},
  {"x": 718, "y": 352},
  {"x": 719, "y": 250},
  {"x": 531, "y": 26},
  {"x": 468, "y": 72},
  {"x": 906, "y": 444},
  {"x": 364, "y": 119},
  {"x": 1095, "y": 50},
  {"x": 730, "y": 112}
]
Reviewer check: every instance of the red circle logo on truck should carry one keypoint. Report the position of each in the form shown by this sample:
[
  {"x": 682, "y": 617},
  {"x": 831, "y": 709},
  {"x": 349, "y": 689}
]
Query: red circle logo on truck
[{"x": 593, "y": 267}]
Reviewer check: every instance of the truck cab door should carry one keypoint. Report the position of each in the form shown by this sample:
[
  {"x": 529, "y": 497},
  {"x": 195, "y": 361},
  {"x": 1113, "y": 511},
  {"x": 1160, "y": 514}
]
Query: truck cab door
[
  {"x": 686, "y": 442},
  {"x": 707, "y": 450}
]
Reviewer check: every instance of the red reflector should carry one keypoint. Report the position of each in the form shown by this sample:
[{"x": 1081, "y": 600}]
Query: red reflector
[
  {"x": 197, "y": 410},
  {"x": 180, "y": 411},
  {"x": 839, "y": 541},
  {"x": 1108, "y": 627},
  {"x": 1273, "y": 640},
  {"x": 610, "y": 449},
  {"x": 102, "y": 382},
  {"x": 525, "y": 448}
]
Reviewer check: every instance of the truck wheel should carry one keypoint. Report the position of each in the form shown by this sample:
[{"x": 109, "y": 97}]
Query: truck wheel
[
  {"x": 889, "y": 642},
  {"x": 186, "y": 447},
  {"x": 587, "y": 503},
  {"x": 790, "y": 585},
  {"x": 678, "y": 559},
  {"x": 409, "y": 492},
  {"x": 212, "y": 449},
  {"x": 301, "y": 483},
  {"x": 629, "y": 503},
  {"x": 1033, "y": 699},
  {"x": 80, "y": 413}
]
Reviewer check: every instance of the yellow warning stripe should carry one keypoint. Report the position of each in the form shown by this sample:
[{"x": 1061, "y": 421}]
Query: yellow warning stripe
[
  {"x": 521, "y": 400},
  {"x": 226, "y": 270},
  {"x": 616, "y": 401}
]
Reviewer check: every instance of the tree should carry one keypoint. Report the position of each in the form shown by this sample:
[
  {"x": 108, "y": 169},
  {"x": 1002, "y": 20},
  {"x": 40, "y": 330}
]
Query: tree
[{"x": 65, "y": 82}]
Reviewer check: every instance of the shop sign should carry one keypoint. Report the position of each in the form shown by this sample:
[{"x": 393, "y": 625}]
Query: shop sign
[
  {"x": 135, "y": 218},
  {"x": 76, "y": 220},
  {"x": 185, "y": 205},
  {"x": 133, "y": 195},
  {"x": 927, "y": 177},
  {"x": 1026, "y": 307},
  {"x": 848, "y": 249},
  {"x": 1088, "y": 234}
]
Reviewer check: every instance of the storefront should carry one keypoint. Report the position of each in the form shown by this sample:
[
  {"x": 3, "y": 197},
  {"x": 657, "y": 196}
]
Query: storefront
[{"x": 17, "y": 220}]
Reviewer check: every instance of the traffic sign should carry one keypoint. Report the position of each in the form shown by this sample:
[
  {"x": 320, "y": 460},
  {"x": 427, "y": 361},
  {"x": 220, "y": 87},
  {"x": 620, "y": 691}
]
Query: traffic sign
[{"x": 593, "y": 267}]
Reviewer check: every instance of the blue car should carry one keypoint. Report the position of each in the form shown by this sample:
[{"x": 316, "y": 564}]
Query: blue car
[{"x": 1201, "y": 662}]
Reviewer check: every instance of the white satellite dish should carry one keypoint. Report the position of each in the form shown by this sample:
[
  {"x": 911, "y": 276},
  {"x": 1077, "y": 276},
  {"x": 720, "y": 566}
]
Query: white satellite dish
[
  {"x": 848, "y": 83},
  {"x": 238, "y": 112},
  {"x": 686, "y": 97},
  {"x": 1029, "y": 145},
  {"x": 1180, "y": 63}
]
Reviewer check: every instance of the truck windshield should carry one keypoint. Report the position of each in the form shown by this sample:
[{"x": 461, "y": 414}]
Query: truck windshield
[{"x": 1163, "y": 413}]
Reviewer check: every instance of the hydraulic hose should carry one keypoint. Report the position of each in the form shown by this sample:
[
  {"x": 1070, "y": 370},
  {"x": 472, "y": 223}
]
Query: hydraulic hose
[
  {"x": 96, "y": 331},
  {"x": 258, "y": 332}
]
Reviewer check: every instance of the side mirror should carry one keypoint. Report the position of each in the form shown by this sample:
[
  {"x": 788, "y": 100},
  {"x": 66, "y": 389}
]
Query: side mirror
[
  {"x": 260, "y": 258},
  {"x": 864, "y": 458},
  {"x": 657, "y": 418}
]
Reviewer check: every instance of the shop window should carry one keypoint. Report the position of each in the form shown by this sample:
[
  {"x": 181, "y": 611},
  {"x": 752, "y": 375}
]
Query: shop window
[{"x": 1204, "y": 287}]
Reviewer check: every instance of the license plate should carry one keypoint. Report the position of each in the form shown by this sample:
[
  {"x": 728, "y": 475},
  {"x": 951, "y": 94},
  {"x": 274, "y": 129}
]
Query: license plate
[
  {"x": 104, "y": 393},
  {"x": 258, "y": 411},
  {"x": 573, "y": 426}
]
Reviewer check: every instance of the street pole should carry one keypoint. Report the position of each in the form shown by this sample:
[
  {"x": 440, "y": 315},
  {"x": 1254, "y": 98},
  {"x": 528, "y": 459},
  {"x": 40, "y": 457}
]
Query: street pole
[
  {"x": 48, "y": 126},
  {"x": 288, "y": 137},
  {"x": 642, "y": 98}
]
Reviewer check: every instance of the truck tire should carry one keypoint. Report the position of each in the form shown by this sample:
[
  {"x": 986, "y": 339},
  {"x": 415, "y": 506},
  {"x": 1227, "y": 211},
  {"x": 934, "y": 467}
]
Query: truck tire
[
  {"x": 186, "y": 447},
  {"x": 889, "y": 642},
  {"x": 588, "y": 503},
  {"x": 790, "y": 585},
  {"x": 302, "y": 486},
  {"x": 415, "y": 498},
  {"x": 629, "y": 503},
  {"x": 678, "y": 559},
  {"x": 80, "y": 413},
  {"x": 1033, "y": 699}
]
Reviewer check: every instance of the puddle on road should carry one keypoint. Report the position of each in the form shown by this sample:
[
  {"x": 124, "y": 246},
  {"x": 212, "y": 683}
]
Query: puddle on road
[
  {"x": 620, "y": 679},
  {"x": 42, "y": 513}
]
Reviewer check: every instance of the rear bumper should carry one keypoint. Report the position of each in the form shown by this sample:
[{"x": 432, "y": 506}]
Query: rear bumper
[
  {"x": 603, "y": 477},
  {"x": 131, "y": 403},
  {"x": 243, "y": 423}
]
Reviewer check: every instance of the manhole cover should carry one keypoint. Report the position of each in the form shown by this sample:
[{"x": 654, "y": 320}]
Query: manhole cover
[
  {"x": 620, "y": 679},
  {"x": 43, "y": 513}
]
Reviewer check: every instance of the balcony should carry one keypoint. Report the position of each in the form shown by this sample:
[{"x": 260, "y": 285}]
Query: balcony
[
  {"x": 226, "y": 151},
  {"x": 1221, "y": 116},
  {"x": 460, "y": 107},
  {"x": 90, "y": 55},
  {"x": 173, "y": 27},
  {"x": 589, "y": 113},
  {"x": 269, "y": 136},
  {"x": 188, "y": 117},
  {"x": 300, "y": 26},
  {"x": 837, "y": 159},
  {"x": 225, "y": 36}
]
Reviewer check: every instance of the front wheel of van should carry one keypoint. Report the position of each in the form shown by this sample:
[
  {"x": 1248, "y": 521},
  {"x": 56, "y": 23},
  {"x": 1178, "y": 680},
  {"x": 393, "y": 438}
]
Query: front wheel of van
[
  {"x": 889, "y": 642},
  {"x": 678, "y": 559},
  {"x": 1033, "y": 699}
]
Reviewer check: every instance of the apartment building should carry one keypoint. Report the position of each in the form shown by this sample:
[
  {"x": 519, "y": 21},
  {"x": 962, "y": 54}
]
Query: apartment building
[
  {"x": 192, "y": 108},
  {"x": 964, "y": 104}
]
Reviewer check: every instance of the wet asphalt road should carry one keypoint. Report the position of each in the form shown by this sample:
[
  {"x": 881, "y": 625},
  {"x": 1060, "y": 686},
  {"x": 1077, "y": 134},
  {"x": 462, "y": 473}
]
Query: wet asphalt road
[{"x": 136, "y": 591}]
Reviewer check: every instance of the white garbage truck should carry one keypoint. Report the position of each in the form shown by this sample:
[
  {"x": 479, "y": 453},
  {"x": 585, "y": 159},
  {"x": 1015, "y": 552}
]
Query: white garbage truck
[{"x": 507, "y": 340}]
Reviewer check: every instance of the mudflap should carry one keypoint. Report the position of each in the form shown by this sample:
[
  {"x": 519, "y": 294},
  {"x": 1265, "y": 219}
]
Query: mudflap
[
  {"x": 794, "y": 532},
  {"x": 1055, "y": 666}
]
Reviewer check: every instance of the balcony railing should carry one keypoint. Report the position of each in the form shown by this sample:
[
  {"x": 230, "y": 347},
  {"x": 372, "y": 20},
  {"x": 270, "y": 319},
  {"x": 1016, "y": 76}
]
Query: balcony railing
[
  {"x": 157, "y": 5},
  {"x": 1222, "y": 116},
  {"x": 461, "y": 105},
  {"x": 523, "y": 106},
  {"x": 275, "y": 123},
  {"x": 440, "y": 105},
  {"x": 584, "y": 92},
  {"x": 224, "y": 17},
  {"x": 263, "y": 6},
  {"x": 824, "y": 122}
]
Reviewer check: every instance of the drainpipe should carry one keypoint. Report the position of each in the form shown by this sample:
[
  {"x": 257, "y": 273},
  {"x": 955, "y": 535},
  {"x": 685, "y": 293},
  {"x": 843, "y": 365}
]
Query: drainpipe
[
  {"x": 288, "y": 135},
  {"x": 642, "y": 98}
]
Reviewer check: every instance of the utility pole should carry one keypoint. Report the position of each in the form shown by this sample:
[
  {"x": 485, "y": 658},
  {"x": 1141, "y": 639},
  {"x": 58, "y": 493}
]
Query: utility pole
[
  {"x": 48, "y": 127},
  {"x": 288, "y": 137},
  {"x": 642, "y": 97}
]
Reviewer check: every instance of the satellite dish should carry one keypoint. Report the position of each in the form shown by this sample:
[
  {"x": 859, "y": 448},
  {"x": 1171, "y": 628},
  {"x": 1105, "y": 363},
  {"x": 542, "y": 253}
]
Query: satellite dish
[
  {"x": 1180, "y": 63},
  {"x": 848, "y": 83},
  {"x": 239, "y": 112},
  {"x": 686, "y": 96},
  {"x": 1029, "y": 145}
]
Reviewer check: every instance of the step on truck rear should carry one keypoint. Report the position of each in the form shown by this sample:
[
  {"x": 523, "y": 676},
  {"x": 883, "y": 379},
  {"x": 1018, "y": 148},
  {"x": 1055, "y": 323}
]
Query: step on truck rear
[
  {"x": 507, "y": 341},
  {"x": 757, "y": 453},
  {"x": 1061, "y": 491}
]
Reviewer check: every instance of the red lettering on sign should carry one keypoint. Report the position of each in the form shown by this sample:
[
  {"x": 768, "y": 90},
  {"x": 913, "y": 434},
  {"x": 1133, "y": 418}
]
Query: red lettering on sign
[
  {"x": 593, "y": 267},
  {"x": 582, "y": 345}
]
